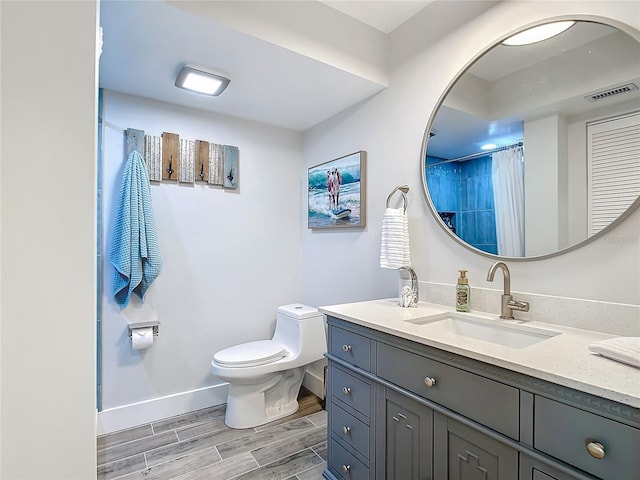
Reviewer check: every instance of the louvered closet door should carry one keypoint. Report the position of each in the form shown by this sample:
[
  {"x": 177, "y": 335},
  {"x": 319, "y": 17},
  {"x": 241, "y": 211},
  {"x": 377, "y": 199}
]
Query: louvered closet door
[{"x": 613, "y": 149}]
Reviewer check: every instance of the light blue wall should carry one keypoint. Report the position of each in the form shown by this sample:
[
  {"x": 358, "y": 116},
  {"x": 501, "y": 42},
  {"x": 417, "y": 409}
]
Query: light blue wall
[
  {"x": 223, "y": 276},
  {"x": 343, "y": 266}
]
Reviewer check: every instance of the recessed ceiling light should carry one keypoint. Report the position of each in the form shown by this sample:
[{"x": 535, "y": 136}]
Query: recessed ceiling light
[
  {"x": 488, "y": 146},
  {"x": 200, "y": 81},
  {"x": 537, "y": 34}
]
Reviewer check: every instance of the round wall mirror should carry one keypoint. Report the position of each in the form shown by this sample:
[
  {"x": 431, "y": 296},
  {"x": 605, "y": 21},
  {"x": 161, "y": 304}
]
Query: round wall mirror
[{"x": 535, "y": 149}]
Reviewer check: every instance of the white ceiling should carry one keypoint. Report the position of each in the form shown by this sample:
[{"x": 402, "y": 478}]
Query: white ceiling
[
  {"x": 381, "y": 15},
  {"x": 292, "y": 64},
  {"x": 295, "y": 64}
]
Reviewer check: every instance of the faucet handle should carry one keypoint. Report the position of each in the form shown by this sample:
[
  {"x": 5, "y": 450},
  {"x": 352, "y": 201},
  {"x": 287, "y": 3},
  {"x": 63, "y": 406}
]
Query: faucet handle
[{"x": 518, "y": 305}]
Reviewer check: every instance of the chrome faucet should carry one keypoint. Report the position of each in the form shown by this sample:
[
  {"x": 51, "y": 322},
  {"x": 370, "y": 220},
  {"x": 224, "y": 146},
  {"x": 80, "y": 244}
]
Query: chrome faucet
[
  {"x": 508, "y": 304},
  {"x": 414, "y": 295}
]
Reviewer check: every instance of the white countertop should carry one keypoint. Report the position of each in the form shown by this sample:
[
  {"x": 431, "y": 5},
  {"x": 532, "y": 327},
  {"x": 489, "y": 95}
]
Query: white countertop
[{"x": 563, "y": 359}]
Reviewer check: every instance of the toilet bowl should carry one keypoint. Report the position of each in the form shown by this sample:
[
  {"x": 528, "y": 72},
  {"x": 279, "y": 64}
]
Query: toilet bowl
[{"x": 265, "y": 376}]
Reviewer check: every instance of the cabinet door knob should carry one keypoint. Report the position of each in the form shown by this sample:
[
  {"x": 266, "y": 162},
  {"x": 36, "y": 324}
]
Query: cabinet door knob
[
  {"x": 346, "y": 430},
  {"x": 346, "y": 348},
  {"x": 346, "y": 390},
  {"x": 346, "y": 468},
  {"x": 429, "y": 382},
  {"x": 596, "y": 450}
]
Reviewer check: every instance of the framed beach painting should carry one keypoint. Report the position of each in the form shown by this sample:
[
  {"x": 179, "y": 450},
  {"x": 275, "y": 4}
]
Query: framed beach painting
[{"x": 337, "y": 192}]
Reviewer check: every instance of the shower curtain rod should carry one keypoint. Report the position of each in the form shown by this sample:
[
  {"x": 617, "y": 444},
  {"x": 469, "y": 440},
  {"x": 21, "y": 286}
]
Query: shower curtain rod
[{"x": 476, "y": 155}]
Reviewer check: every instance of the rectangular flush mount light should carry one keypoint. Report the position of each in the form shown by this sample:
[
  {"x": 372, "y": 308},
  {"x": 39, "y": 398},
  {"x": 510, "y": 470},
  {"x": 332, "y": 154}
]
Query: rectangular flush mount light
[{"x": 200, "y": 81}]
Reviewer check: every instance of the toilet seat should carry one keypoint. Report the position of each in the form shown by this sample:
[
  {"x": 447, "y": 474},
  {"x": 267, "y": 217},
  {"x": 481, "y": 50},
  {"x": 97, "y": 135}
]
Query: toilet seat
[{"x": 251, "y": 354}]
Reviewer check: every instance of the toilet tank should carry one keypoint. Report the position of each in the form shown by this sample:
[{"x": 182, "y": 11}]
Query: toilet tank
[
  {"x": 300, "y": 328},
  {"x": 298, "y": 311}
]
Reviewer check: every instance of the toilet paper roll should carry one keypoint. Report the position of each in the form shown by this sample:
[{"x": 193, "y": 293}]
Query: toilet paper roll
[{"x": 142, "y": 338}]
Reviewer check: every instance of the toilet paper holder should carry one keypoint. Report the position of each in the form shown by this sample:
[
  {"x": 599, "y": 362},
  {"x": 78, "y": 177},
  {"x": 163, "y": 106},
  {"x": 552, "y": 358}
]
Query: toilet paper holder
[{"x": 136, "y": 326}]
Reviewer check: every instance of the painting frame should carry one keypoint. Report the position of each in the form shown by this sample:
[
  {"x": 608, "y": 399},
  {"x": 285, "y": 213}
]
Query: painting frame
[{"x": 336, "y": 193}]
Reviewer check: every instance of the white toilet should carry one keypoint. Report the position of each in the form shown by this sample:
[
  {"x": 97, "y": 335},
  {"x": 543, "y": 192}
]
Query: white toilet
[{"x": 265, "y": 376}]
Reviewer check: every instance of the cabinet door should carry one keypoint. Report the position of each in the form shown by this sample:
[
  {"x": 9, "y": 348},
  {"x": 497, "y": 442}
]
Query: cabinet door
[
  {"x": 531, "y": 469},
  {"x": 406, "y": 439},
  {"x": 462, "y": 453}
]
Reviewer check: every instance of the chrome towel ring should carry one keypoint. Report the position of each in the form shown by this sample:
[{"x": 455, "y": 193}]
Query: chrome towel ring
[{"x": 403, "y": 189}]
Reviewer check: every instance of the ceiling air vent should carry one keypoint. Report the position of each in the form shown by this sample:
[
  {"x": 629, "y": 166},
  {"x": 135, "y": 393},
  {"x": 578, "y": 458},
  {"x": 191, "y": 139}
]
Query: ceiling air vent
[{"x": 611, "y": 92}]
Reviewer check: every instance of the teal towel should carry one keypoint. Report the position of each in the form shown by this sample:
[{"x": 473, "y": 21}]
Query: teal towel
[{"x": 134, "y": 254}]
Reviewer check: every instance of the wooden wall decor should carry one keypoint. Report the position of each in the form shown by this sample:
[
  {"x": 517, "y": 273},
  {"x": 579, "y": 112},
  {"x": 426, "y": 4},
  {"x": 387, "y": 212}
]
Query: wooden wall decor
[
  {"x": 202, "y": 161},
  {"x": 135, "y": 141},
  {"x": 153, "y": 157},
  {"x": 231, "y": 167},
  {"x": 216, "y": 164},
  {"x": 186, "y": 170},
  {"x": 170, "y": 155}
]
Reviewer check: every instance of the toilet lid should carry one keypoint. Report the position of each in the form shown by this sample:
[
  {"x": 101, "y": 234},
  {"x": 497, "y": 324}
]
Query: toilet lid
[{"x": 251, "y": 354}]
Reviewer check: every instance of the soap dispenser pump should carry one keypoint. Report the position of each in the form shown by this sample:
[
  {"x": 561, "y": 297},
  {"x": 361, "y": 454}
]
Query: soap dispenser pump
[{"x": 462, "y": 292}]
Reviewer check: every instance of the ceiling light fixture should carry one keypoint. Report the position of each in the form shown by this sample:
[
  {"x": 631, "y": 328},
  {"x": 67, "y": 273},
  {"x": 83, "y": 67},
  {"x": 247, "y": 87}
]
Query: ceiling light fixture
[
  {"x": 200, "y": 81},
  {"x": 537, "y": 34},
  {"x": 488, "y": 146}
]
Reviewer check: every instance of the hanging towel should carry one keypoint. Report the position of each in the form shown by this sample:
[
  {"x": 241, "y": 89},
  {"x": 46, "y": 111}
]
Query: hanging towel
[
  {"x": 134, "y": 248},
  {"x": 394, "y": 249},
  {"x": 621, "y": 349}
]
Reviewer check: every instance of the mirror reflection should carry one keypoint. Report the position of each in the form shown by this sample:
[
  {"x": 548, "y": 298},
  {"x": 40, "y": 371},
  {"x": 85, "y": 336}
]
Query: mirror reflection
[{"x": 536, "y": 148}]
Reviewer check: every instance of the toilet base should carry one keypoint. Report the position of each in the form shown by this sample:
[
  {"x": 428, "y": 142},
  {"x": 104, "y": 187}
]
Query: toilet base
[{"x": 272, "y": 397}]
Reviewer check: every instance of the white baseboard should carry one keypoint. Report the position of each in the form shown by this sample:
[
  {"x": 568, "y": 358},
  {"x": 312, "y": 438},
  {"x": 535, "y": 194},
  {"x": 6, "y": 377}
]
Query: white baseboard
[
  {"x": 134, "y": 414},
  {"x": 127, "y": 416},
  {"x": 314, "y": 382}
]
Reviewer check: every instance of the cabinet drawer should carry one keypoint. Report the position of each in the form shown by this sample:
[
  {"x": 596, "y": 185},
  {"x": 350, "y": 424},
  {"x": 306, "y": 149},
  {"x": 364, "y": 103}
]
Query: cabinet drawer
[
  {"x": 565, "y": 432},
  {"x": 351, "y": 390},
  {"x": 345, "y": 465},
  {"x": 485, "y": 401},
  {"x": 351, "y": 347},
  {"x": 350, "y": 430}
]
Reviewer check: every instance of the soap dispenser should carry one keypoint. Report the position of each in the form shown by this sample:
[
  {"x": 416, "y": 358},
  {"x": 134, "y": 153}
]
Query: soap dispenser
[{"x": 462, "y": 292}]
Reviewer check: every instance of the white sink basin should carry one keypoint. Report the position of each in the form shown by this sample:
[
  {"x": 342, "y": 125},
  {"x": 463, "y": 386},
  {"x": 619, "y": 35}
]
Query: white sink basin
[{"x": 494, "y": 331}]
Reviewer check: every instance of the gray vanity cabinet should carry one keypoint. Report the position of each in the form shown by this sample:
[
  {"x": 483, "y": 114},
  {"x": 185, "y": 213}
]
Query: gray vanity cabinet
[{"x": 400, "y": 410}]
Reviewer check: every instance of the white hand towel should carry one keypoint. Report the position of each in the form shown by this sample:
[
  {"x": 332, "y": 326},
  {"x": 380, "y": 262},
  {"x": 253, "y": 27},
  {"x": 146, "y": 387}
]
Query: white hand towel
[
  {"x": 394, "y": 248},
  {"x": 621, "y": 349}
]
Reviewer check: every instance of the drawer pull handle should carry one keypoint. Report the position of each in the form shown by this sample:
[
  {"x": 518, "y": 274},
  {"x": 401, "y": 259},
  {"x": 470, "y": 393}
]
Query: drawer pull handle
[
  {"x": 346, "y": 468},
  {"x": 596, "y": 450},
  {"x": 346, "y": 348},
  {"x": 346, "y": 430},
  {"x": 346, "y": 390},
  {"x": 429, "y": 382}
]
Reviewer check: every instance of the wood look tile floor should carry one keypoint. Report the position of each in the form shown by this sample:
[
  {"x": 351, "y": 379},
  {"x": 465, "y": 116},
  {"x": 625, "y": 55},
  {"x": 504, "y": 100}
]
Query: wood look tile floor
[{"x": 199, "y": 446}]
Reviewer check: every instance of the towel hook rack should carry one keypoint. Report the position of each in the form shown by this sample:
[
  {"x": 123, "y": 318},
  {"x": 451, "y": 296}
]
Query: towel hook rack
[{"x": 403, "y": 189}]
